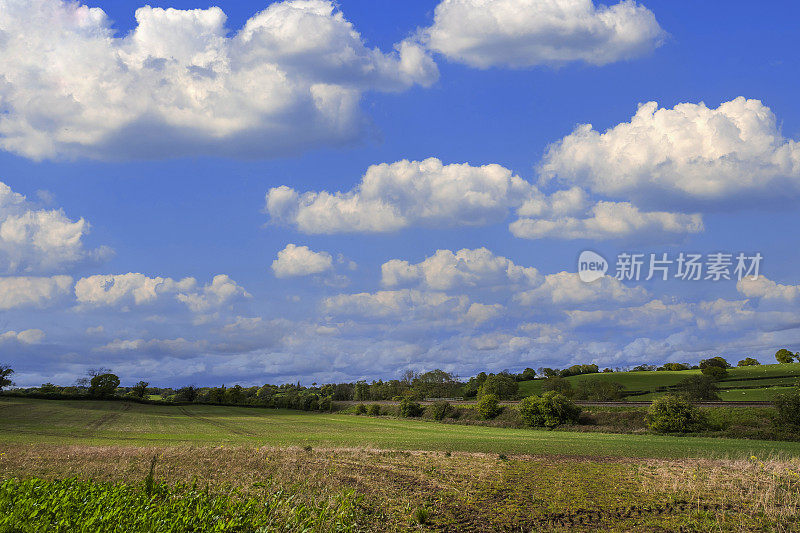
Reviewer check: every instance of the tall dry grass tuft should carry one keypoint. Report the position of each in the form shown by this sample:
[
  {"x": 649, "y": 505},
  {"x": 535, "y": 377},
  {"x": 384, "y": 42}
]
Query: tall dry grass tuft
[{"x": 766, "y": 489}]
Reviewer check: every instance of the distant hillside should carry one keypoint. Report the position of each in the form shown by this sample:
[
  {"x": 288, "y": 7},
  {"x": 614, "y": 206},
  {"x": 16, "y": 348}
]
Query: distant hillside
[{"x": 750, "y": 383}]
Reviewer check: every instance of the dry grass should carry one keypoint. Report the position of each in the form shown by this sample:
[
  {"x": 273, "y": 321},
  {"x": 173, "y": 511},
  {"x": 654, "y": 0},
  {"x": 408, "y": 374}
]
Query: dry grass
[
  {"x": 463, "y": 491},
  {"x": 767, "y": 490}
]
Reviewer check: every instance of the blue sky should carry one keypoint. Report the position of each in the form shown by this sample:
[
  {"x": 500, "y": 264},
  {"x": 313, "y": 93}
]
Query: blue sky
[{"x": 166, "y": 135}]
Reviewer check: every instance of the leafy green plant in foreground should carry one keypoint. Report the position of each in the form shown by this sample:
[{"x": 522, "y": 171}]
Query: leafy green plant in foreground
[{"x": 72, "y": 505}]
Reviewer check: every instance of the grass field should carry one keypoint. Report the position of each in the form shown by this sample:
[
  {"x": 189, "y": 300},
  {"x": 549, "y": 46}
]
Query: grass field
[
  {"x": 766, "y": 376},
  {"x": 86, "y": 422},
  {"x": 298, "y": 471}
]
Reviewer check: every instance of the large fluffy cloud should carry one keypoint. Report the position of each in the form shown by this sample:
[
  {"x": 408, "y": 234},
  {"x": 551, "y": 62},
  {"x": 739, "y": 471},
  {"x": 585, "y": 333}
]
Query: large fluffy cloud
[
  {"x": 19, "y": 291},
  {"x": 34, "y": 240},
  {"x": 178, "y": 84},
  {"x": 445, "y": 270},
  {"x": 690, "y": 152},
  {"x": 134, "y": 288},
  {"x": 402, "y": 194},
  {"x": 524, "y": 33},
  {"x": 300, "y": 261}
]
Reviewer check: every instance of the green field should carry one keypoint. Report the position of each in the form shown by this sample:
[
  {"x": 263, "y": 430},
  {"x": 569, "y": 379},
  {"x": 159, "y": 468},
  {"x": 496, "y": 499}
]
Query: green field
[
  {"x": 765, "y": 376},
  {"x": 86, "y": 422}
]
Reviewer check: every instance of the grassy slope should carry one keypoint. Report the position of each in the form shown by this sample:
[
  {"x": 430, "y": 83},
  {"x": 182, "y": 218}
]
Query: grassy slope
[
  {"x": 652, "y": 380},
  {"x": 83, "y": 422}
]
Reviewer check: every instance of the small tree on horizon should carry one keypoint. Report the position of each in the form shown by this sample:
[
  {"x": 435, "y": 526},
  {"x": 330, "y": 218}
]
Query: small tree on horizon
[
  {"x": 103, "y": 385},
  {"x": 784, "y": 356},
  {"x": 5, "y": 380}
]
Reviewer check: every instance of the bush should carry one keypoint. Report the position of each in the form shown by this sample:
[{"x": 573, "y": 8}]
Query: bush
[
  {"x": 361, "y": 409},
  {"x": 558, "y": 384},
  {"x": 788, "y": 406},
  {"x": 489, "y": 406},
  {"x": 698, "y": 388},
  {"x": 549, "y": 410},
  {"x": 409, "y": 408},
  {"x": 748, "y": 361},
  {"x": 673, "y": 414},
  {"x": 596, "y": 390},
  {"x": 439, "y": 410},
  {"x": 375, "y": 409},
  {"x": 714, "y": 372}
]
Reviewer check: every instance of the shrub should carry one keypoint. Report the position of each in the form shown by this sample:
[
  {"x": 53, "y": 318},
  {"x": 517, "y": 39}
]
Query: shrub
[
  {"x": 596, "y": 390},
  {"x": 673, "y": 414},
  {"x": 558, "y": 384},
  {"x": 439, "y": 410},
  {"x": 375, "y": 409},
  {"x": 409, "y": 408},
  {"x": 361, "y": 409},
  {"x": 788, "y": 406},
  {"x": 748, "y": 361},
  {"x": 714, "y": 372},
  {"x": 698, "y": 388},
  {"x": 673, "y": 367},
  {"x": 489, "y": 406},
  {"x": 549, "y": 410}
]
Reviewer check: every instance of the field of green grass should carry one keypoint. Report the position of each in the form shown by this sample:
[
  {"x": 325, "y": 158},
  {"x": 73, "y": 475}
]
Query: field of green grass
[
  {"x": 86, "y": 422},
  {"x": 766, "y": 376}
]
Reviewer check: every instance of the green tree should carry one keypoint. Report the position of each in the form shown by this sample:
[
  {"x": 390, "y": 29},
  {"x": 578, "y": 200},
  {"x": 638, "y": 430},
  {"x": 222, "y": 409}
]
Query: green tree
[
  {"x": 673, "y": 414},
  {"x": 715, "y": 367},
  {"x": 784, "y": 356},
  {"x": 699, "y": 388},
  {"x": 551, "y": 409},
  {"x": 596, "y": 390},
  {"x": 140, "y": 389},
  {"x": 103, "y": 385},
  {"x": 527, "y": 374},
  {"x": 489, "y": 406},
  {"x": 189, "y": 394},
  {"x": 748, "y": 361},
  {"x": 558, "y": 384},
  {"x": 5, "y": 379},
  {"x": 503, "y": 386}
]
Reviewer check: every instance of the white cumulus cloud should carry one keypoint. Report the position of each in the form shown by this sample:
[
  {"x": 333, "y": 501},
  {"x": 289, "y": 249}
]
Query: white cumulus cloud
[
  {"x": 403, "y": 194},
  {"x": 689, "y": 152},
  {"x": 181, "y": 83},
  {"x": 28, "y": 336},
  {"x": 137, "y": 289},
  {"x": 567, "y": 289},
  {"x": 35, "y": 240},
  {"x": 445, "y": 270},
  {"x": 300, "y": 261},
  {"x": 765, "y": 288},
  {"x": 23, "y": 291},
  {"x": 524, "y": 33}
]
